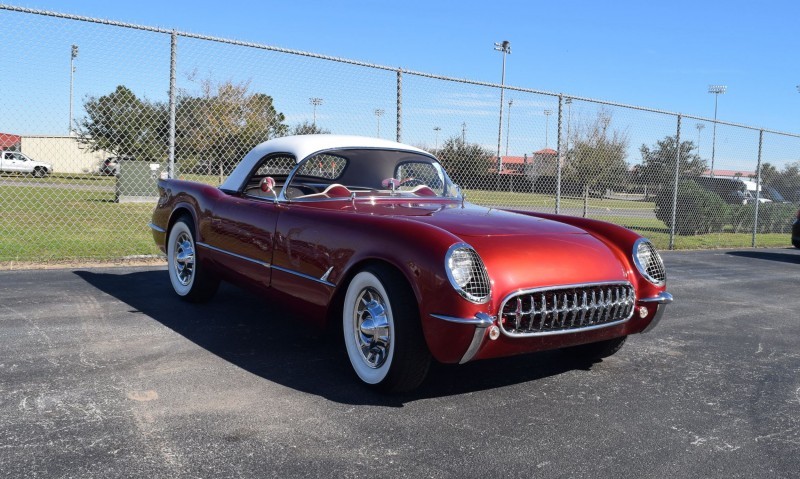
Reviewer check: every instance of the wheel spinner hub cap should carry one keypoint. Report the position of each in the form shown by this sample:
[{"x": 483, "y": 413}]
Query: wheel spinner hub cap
[
  {"x": 184, "y": 259},
  {"x": 372, "y": 330}
]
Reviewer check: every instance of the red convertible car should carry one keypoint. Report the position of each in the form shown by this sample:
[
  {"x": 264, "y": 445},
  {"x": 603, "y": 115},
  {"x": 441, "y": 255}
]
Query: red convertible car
[{"x": 372, "y": 236}]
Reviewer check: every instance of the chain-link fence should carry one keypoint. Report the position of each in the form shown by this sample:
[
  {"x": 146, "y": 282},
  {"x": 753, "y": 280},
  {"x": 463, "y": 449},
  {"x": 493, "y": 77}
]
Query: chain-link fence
[{"x": 92, "y": 112}]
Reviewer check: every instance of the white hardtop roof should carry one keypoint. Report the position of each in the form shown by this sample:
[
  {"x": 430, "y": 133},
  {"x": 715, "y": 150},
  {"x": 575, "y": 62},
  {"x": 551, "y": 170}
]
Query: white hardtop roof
[{"x": 301, "y": 146}]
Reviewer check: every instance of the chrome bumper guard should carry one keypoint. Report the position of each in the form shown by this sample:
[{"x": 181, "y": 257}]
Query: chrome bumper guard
[
  {"x": 662, "y": 300},
  {"x": 481, "y": 321}
]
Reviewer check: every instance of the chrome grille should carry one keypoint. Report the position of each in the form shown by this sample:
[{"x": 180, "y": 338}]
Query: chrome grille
[{"x": 567, "y": 308}]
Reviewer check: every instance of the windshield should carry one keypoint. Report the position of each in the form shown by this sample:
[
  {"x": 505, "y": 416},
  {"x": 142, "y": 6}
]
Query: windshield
[{"x": 369, "y": 173}]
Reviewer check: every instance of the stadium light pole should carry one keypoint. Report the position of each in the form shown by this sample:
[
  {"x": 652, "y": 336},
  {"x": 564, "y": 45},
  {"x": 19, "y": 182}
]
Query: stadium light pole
[
  {"x": 699, "y": 127},
  {"x": 508, "y": 123},
  {"x": 437, "y": 129},
  {"x": 73, "y": 56},
  {"x": 547, "y": 114},
  {"x": 315, "y": 102},
  {"x": 505, "y": 48},
  {"x": 378, "y": 114},
  {"x": 716, "y": 90}
]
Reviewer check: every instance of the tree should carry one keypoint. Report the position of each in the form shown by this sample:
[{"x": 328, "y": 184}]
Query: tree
[
  {"x": 226, "y": 121},
  {"x": 125, "y": 125},
  {"x": 658, "y": 163},
  {"x": 697, "y": 210},
  {"x": 464, "y": 161},
  {"x": 596, "y": 158},
  {"x": 307, "y": 128},
  {"x": 786, "y": 181}
]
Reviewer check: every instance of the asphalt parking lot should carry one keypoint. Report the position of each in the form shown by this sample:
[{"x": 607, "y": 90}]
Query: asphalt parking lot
[{"x": 104, "y": 373}]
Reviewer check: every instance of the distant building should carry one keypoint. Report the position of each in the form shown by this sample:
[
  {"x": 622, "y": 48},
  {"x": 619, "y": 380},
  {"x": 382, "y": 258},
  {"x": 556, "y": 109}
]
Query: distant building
[
  {"x": 65, "y": 153},
  {"x": 542, "y": 162},
  {"x": 9, "y": 141},
  {"x": 730, "y": 174}
]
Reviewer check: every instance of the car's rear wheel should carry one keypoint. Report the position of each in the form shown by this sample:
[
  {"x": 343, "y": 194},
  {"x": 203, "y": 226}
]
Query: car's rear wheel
[
  {"x": 382, "y": 331},
  {"x": 189, "y": 280},
  {"x": 598, "y": 350}
]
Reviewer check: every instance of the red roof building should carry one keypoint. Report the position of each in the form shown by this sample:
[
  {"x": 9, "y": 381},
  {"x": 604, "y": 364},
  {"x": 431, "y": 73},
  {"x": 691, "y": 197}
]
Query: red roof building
[{"x": 7, "y": 140}]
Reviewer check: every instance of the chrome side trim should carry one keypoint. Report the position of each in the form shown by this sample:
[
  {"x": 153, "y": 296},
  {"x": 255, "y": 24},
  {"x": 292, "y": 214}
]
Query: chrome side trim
[
  {"x": 303, "y": 275},
  {"x": 324, "y": 277},
  {"x": 662, "y": 298},
  {"x": 156, "y": 228},
  {"x": 481, "y": 320},
  {"x": 220, "y": 250}
]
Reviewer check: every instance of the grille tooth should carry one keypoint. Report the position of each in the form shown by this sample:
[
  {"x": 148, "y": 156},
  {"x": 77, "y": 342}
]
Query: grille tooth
[{"x": 565, "y": 309}]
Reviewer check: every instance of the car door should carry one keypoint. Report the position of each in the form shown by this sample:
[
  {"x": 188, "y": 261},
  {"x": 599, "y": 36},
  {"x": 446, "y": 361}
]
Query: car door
[{"x": 241, "y": 230}]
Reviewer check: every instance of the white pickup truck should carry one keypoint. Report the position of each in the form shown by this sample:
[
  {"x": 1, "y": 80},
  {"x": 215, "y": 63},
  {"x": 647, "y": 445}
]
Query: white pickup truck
[{"x": 16, "y": 162}]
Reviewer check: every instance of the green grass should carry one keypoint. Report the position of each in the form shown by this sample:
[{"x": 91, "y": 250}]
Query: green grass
[
  {"x": 59, "y": 224},
  {"x": 44, "y": 224}
]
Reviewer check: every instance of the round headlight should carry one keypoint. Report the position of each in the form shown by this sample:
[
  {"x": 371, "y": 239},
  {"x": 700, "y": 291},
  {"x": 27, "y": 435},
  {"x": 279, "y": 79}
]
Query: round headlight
[
  {"x": 460, "y": 264},
  {"x": 467, "y": 274},
  {"x": 649, "y": 262}
]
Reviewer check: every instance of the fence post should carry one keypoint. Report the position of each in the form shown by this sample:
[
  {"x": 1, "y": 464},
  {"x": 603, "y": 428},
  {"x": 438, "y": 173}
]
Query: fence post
[
  {"x": 758, "y": 187},
  {"x": 559, "y": 157},
  {"x": 173, "y": 52},
  {"x": 399, "y": 104},
  {"x": 675, "y": 187}
]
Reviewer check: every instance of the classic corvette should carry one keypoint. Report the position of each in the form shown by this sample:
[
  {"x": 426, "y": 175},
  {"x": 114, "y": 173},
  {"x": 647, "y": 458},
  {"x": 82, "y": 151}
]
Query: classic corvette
[{"x": 373, "y": 238}]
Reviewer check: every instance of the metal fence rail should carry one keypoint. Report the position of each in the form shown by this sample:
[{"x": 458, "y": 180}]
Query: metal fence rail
[{"x": 78, "y": 170}]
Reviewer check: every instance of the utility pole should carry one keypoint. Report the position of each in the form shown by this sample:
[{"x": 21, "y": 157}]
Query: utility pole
[
  {"x": 437, "y": 130},
  {"x": 505, "y": 48},
  {"x": 547, "y": 114},
  {"x": 378, "y": 114},
  {"x": 716, "y": 90},
  {"x": 699, "y": 127},
  {"x": 508, "y": 124},
  {"x": 72, "y": 58},
  {"x": 315, "y": 102}
]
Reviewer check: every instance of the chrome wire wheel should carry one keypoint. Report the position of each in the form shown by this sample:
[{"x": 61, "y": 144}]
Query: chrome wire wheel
[
  {"x": 184, "y": 258},
  {"x": 373, "y": 333}
]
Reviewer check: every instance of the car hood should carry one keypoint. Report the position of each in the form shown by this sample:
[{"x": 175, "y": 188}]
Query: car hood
[
  {"x": 471, "y": 220},
  {"x": 520, "y": 251}
]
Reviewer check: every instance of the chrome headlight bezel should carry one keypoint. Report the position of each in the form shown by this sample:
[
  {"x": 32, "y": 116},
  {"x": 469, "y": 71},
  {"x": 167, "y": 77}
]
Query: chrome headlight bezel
[
  {"x": 473, "y": 285},
  {"x": 654, "y": 255}
]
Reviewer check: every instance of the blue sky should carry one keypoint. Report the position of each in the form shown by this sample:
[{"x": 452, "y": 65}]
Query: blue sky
[{"x": 657, "y": 54}]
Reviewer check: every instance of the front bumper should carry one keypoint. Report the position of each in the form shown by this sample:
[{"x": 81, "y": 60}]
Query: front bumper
[
  {"x": 483, "y": 323},
  {"x": 661, "y": 301}
]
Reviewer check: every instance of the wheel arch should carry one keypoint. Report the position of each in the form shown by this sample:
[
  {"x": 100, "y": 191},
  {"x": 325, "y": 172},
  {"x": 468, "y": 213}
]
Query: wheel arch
[
  {"x": 336, "y": 305},
  {"x": 182, "y": 209}
]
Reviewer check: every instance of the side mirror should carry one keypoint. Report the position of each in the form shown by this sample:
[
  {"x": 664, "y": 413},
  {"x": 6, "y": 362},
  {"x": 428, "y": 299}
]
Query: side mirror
[
  {"x": 392, "y": 183},
  {"x": 267, "y": 185}
]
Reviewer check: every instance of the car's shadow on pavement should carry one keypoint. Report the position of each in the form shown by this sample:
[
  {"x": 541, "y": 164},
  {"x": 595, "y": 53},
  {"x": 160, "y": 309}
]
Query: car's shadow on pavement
[
  {"x": 791, "y": 255},
  {"x": 248, "y": 332}
]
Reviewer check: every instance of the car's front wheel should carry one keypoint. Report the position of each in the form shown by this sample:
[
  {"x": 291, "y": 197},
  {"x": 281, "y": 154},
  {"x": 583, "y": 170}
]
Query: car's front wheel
[
  {"x": 382, "y": 331},
  {"x": 39, "y": 172},
  {"x": 598, "y": 350},
  {"x": 186, "y": 273}
]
